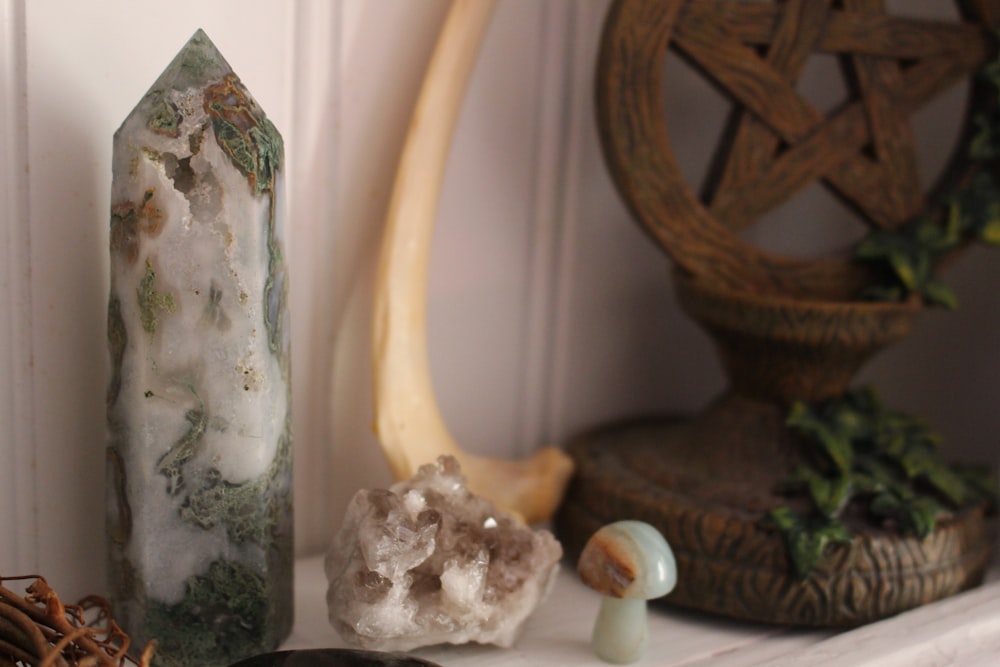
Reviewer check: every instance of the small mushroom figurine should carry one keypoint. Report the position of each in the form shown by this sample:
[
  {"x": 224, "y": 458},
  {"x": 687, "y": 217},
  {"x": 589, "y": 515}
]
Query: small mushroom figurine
[{"x": 628, "y": 562}]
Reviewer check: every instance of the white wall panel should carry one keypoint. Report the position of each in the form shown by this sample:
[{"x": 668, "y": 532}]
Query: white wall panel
[
  {"x": 492, "y": 269},
  {"x": 617, "y": 329},
  {"x": 313, "y": 155},
  {"x": 18, "y": 493},
  {"x": 386, "y": 47}
]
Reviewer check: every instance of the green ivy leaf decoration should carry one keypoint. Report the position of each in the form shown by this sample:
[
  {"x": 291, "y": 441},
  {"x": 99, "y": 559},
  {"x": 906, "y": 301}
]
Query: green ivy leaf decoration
[
  {"x": 807, "y": 537},
  {"x": 990, "y": 232},
  {"x": 981, "y": 483},
  {"x": 884, "y": 463},
  {"x": 979, "y": 204},
  {"x": 905, "y": 257},
  {"x": 937, "y": 239},
  {"x": 879, "y": 476},
  {"x": 921, "y": 462},
  {"x": 938, "y": 294},
  {"x": 828, "y": 494},
  {"x": 908, "y": 256},
  {"x": 831, "y": 438},
  {"x": 985, "y": 145},
  {"x": 915, "y": 516}
]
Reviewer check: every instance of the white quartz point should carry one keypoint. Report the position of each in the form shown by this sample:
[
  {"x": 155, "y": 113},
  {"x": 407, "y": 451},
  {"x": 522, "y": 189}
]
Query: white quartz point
[
  {"x": 199, "y": 483},
  {"x": 427, "y": 562},
  {"x": 628, "y": 562}
]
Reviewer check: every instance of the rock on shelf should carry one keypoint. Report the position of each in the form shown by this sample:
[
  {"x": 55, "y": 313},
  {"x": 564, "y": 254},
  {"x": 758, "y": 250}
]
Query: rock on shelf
[
  {"x": 427, "y": 562},
  {"x": 199, "y": 480}
]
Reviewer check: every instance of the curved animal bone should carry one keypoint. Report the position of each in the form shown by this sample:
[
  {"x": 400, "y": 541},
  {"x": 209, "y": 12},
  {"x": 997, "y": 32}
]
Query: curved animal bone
[{"x": 408, "y": 421}]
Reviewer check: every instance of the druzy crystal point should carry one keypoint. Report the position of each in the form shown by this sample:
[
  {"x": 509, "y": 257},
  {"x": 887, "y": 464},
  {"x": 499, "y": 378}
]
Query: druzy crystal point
[
  {"x": 427, "y": 562},
  {"x": 199, "y": 457}
]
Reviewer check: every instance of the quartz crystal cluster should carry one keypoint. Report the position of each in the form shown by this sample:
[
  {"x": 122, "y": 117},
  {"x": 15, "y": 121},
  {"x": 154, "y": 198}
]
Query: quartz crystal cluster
[
  {"x": 427, "y": 562},
  {"x": 199, "y": 458}
]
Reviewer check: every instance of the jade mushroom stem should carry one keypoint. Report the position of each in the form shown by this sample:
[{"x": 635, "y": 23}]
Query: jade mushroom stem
[
  {"x": 628, "y": 562},
  {"x": 621, "y": 631}
]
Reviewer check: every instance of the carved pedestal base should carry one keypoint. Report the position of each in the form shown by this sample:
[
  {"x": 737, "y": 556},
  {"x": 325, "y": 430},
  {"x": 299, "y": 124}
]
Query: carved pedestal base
[{"x": 702, "y": 485}]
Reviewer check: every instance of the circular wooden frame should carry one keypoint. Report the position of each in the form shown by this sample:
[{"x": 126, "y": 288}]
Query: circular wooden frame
[{"x": 701, "y": 238}]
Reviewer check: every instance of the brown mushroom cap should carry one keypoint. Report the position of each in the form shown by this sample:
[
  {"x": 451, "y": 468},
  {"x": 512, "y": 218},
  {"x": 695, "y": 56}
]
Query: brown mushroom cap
[{"x": 628, "y": 559}]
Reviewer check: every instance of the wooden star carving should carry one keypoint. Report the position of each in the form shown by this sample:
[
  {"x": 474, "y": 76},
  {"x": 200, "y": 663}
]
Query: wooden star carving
[
  {"x": 881, "y": 183},
  {"x": 778, "y": 143}
]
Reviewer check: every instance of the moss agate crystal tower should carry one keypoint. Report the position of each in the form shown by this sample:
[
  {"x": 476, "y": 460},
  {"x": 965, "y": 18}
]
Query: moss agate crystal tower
[{"x": 199, "y": 460}]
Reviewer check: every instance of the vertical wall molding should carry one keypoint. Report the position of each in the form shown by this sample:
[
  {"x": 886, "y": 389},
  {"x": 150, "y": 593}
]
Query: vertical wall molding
[
  {"x": 580, "y": 23},
  {"x": 314, "y": 88},
  {"x": 19, "y": 518},
  {"x": 553, "y": 102}
]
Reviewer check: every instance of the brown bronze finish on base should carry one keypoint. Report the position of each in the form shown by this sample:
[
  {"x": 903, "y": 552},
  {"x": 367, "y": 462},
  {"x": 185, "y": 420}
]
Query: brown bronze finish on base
[
  {"x": 707, "y": 482},
  {"x": 710, "y": 509}
]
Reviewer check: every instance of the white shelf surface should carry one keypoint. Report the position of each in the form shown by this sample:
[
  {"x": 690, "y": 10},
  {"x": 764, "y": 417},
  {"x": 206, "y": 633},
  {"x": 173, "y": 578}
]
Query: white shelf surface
[{"x": 961, "y": 630}]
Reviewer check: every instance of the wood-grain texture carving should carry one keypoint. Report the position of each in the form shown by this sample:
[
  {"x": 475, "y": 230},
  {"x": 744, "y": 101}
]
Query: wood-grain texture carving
[{"x": 786, "y": 329}]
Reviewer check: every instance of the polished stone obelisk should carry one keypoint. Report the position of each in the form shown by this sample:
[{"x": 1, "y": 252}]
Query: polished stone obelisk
[{"x": 199, "y": 458}]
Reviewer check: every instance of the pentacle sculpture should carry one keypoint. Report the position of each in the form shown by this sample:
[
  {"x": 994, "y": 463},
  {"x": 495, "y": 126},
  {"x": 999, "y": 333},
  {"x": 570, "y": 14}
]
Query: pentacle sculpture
[
  {"x": 199, "y": 459},
  {"x": 795, "y": 498},
  {"x": 427, "y": 562}
]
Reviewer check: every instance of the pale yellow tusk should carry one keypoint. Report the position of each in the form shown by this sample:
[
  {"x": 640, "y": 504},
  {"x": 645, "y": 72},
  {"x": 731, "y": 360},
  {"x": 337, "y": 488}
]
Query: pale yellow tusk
[{"x": 408, "y": 421}]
